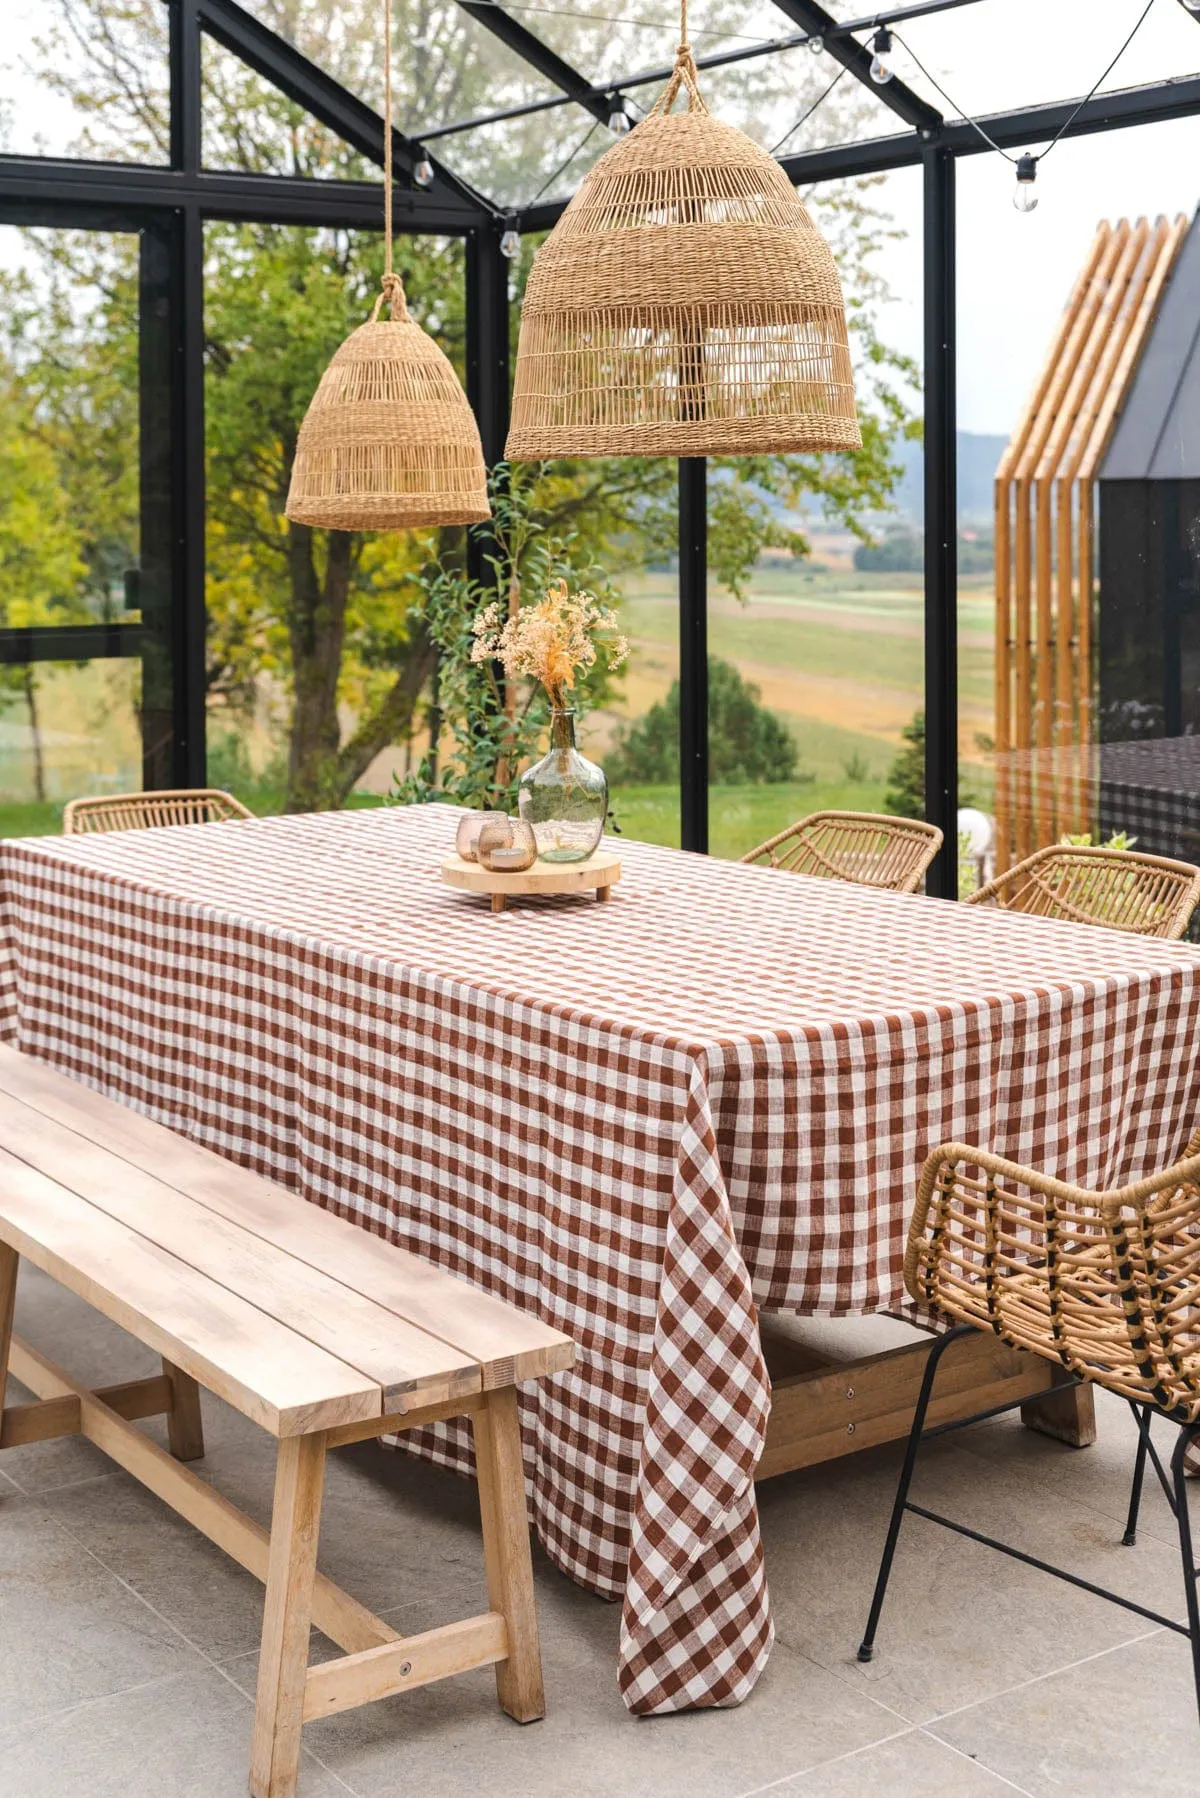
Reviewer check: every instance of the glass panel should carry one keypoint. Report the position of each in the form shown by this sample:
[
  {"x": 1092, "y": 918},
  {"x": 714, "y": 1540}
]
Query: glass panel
[
  {"x": 85, "y": 527},
  {"x": 636, "y": 735},
  {"x": 316, "y": 665},
  {"x": 445, "y": 66},
  {"x": 816, "y": 641},
  {"x": 248, "y": 124},
  {"x": 67, "y": 729},
  {"x": 1080, "y": 660},
  {"x": 86, "y": 81},
  {"x": 1003, "y": 54}
]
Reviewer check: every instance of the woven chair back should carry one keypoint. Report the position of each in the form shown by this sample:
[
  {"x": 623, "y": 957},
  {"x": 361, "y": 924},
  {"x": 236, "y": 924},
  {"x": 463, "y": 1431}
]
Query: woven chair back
[
  {"x": 1107, "y": 1283},
  {"x": 148, "y": 811},
  {"x": 1119, "y": 888},
  {"x": 866, "y": 848}
]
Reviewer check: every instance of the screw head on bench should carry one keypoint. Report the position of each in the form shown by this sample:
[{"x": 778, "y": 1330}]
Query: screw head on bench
[{"x": 405, "y": 1668}]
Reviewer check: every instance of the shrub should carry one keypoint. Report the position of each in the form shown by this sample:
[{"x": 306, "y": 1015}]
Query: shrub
[{"x": 747, "y": 743}]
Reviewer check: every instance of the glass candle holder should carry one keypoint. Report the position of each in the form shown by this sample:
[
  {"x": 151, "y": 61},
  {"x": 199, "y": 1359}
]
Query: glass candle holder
[
  {"x": 470, "y": 825},
  {"x": 506, "y": 846}
]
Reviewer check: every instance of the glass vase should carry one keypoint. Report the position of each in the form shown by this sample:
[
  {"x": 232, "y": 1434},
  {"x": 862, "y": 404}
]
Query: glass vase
[{"x": 564, "y": 797}]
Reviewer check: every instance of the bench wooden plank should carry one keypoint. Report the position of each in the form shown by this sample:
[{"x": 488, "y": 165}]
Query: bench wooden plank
[
  {"x": 506, "y": 1344},
  {"x": 280, "y": 1379},
  {"x": 407, "y": 1363}
]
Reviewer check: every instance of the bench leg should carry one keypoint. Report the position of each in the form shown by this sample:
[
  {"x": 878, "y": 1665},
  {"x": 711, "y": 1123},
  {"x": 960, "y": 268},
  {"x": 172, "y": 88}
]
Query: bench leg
[
  {"x": 283, "y": 1664},
  {"x": 185, "y": 1426},
  {"x": 9, "y": 1262},
  {"x": 506, "y": 1553}
]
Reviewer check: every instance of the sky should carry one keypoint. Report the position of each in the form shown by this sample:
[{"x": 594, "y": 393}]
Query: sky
[{"x": 1014, "y": 270}]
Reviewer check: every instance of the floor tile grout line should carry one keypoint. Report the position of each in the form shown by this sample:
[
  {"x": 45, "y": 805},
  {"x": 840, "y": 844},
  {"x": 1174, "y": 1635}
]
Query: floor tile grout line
[
  {"x": 1038, "y": 1678},
  {"x": 61, "y": 1712},
  {"x": 986, "y": 1765},
  {"x": 187, "y": 1640},
  {"x": 832, "y": 1760}
]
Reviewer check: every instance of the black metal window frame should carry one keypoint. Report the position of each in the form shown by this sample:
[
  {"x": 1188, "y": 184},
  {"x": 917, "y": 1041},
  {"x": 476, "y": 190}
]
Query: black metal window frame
[{"x": 168, "y": 206}]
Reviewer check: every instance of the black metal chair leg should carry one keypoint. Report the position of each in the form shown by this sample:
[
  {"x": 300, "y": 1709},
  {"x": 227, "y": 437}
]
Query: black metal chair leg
[
  {"x": 1142, "y": 1417},
  {"x": 867, "y": 1646},
  {"x": 1187, "y": 1436}
]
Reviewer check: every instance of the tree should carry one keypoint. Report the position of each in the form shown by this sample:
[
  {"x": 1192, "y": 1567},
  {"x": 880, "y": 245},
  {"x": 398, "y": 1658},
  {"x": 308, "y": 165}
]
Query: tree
[
  {"x": 40, "y": 559},
  {"x": 905, "y": 796},
  {"x": 747, "y": 743},
  {"x": 334, "y": 622}
]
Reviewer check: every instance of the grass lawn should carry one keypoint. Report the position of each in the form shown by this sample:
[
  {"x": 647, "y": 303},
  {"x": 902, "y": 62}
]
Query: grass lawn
[{"x": 739, "y": 817}]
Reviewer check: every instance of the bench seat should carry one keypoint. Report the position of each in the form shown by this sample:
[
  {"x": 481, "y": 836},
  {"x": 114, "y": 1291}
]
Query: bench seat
[{"x": 315, "y": 1329}]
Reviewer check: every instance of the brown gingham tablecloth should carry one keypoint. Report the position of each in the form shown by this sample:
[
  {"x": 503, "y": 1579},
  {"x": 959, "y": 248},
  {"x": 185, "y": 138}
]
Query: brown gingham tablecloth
[{"x": 643, "y": 1120}]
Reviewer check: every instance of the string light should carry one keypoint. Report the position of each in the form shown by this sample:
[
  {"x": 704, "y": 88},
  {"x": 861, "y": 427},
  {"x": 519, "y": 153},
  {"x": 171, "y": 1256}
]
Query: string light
[
  {"x": 817, "y": 44},
  {"x": 618, "y": 119},
  {"x": 881, "y": 72},
  {"x": 510, "y": 242},
  {"x": 1024, "y": 197},
  {"x": 423, "y": 171}
]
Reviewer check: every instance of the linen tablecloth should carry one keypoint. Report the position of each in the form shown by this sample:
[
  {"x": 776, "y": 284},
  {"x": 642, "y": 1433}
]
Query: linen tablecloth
[{"x": 644, "y": 1120}]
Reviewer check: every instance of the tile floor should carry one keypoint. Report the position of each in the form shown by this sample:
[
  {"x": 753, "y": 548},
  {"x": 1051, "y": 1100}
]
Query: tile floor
[{"x": 127, "y": 1643}]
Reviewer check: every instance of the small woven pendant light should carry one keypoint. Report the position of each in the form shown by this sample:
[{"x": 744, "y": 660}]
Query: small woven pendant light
[
  {"x": 389, "y": 441},
  {"x": 684, "y": 305}
]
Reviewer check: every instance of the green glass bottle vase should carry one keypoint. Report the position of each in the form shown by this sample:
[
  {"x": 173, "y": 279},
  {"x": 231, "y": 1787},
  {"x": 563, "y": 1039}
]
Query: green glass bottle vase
[{"x": 564, "y": 797}]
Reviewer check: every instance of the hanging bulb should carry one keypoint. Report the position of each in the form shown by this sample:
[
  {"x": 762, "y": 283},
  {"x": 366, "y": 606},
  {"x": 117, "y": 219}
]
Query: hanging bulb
[
  {"x": 423, "y": 172},
  {"x": 1024, "y": 195},
  {"x": 816, "y": 45},
  {"x": 618, "y": 118},
  {"x": 881, "y": 44},
  {"x": 510, "y": 243}
]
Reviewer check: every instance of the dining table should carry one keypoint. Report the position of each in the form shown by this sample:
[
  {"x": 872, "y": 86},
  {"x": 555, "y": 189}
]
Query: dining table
[{"x": 652, "y": 1122}]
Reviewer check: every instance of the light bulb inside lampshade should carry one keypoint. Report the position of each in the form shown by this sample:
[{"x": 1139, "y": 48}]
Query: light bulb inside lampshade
[
  {"x": 881, "y": 45},
  {"x": 423, "y": 171},
  {"x": 1025, "y": 197},
  {"x": 618, "y": 119},
  {"x": 510, "y": 243}
]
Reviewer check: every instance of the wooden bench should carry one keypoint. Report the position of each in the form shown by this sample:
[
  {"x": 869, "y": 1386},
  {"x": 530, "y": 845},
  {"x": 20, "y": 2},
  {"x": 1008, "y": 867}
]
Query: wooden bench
[{"x": 316, "y": 1330}]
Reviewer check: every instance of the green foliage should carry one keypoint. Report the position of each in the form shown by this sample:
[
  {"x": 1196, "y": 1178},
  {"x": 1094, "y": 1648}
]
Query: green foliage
[
  {"x": 905, "y": 796},
  {"x": 494, "y": 728},
  {"x": 900, "y": 551},
  {"x": 342, "y": 630},
  {"x": 746, "y": 742},
  {"x": 1083, "y": 839}
]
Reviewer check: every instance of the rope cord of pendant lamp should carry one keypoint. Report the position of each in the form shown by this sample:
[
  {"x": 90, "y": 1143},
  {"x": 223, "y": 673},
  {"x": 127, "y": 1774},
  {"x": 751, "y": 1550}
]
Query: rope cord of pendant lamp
[{"x": 393, "y": 286}]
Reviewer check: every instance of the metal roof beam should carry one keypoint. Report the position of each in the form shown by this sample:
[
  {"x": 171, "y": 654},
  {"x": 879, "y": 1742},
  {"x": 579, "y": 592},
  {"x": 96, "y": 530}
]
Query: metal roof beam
[
  {"x": 539, "y": 56},
  {"x": 851, "y": 54},
  {"x": 1148, "y": 105},
  {"x": 356, "y": 123}
]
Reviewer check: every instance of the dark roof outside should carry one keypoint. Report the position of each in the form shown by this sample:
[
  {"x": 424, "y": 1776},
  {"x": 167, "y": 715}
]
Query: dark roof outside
[{"x": 1158, "y": 433}]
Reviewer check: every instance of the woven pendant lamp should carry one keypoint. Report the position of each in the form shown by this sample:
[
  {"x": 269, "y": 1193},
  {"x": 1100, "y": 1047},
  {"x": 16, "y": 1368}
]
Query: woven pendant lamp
[
  {"x": 684, "y": 305},
  {"x": 389, "y": 441}
]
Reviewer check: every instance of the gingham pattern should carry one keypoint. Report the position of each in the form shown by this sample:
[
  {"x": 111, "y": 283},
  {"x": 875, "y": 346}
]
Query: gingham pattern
[{"x": 642, "y": 1120}]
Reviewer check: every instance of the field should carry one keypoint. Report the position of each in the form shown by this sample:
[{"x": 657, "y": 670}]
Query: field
[{"x": 837, "y": 654}]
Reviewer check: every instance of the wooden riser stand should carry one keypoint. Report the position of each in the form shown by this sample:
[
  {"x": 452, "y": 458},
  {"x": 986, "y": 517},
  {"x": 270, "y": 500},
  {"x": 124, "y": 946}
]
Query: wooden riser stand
[{"x": 822, "y": 1409}]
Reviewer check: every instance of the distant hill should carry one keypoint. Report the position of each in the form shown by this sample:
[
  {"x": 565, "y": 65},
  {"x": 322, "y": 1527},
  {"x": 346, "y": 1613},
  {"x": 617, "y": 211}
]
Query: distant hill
[{"x": 977, "y": 459}]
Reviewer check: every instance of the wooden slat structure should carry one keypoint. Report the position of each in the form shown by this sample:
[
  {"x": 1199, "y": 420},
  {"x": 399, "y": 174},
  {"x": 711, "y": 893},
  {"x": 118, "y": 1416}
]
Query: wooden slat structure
[
  {"x": 311, "y": 1327},
  {"x": 1045, "y": 497}
]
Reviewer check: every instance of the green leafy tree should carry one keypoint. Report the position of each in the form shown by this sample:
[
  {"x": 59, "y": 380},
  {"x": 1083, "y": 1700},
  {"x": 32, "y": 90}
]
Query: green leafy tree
[
  {"x": 339, "y": 627},
  {"x": 905, "y": 796},
  {"x": 747, "y": 743},
  {"x": 40, "y": 553}
]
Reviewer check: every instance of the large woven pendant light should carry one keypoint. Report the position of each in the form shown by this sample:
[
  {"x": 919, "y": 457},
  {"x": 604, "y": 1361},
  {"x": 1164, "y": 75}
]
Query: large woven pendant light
[
  {"x": 389, "y": 441},
  {"x": 684, "y": 305}
]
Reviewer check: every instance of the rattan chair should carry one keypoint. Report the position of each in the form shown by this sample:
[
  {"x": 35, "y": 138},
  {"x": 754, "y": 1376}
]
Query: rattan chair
[
  {"x": 146, "y": 811},
  {"x": 1104, "y": 1284},
  {"x": 869, "y": 849},
  {"x": 1116, "y": 887}
]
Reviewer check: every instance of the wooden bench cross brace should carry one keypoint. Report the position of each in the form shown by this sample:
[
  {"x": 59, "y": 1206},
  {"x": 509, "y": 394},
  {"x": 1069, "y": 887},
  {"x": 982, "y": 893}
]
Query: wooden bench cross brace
[{"x": 378, "y": 1662}]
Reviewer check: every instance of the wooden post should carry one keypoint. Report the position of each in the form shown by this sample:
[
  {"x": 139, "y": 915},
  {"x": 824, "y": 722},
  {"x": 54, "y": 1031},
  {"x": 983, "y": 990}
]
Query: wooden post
[
  {"x": 283, "y": 1663},
  {"x": 506, "y": 1553},
  {"x": 9, "y": 1262},
  {"x": 185, "y": 1425},
  {"x": 1068, "y": 1413}
]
